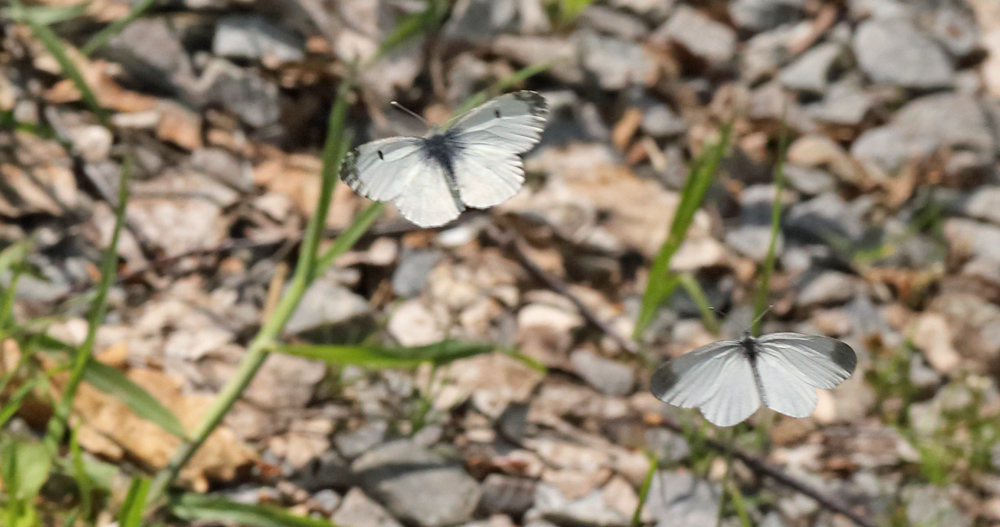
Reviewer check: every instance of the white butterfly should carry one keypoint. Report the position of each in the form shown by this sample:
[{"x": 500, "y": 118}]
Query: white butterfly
[
  {"x": 728, "y": 380},
  {"x": 474, "y": 163}
]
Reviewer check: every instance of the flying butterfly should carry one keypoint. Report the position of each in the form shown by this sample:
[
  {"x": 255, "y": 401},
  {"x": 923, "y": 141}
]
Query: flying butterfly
[
  {"x": 730, "y": 379},
  {"x": 473, "y": 163}
]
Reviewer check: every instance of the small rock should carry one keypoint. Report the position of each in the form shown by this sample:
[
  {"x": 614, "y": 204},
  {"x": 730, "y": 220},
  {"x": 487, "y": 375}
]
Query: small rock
[
  {"x": 479, "y": 21},
  {"x": 933, "y": 335},
  {"x": 810, "y": 181},
  {"x": 773, "y": 519},
  {"x": 844, "y": 103},
  {"x": 812, "y": 71},
  {"x": 327, "y": 501},
  {"x": 824, "y": 217},
  {"x": 244, "y": 92},
  {"x": 359, "y": 510},
  {"x": 930, "y": 506},
  {"x": 893, "y": 51},
  {"x": 330, "y": 313},
  {"x": 412, "y": 324},
  {"x": 537, "y": 50},
  {"x": 613, "y": 22},
  {"x": 653, "y": 11},
  {"x": 957, "y": 32},
  {"x": 328, "y": 470},
  {"x": 152, "y": 54},
  {"x": 615, "y": 63},
  {"x": 764, "y": 15},
  {"x": 669, "y": 446},
  {"x": 702, "y": 37},
  {"x": 752, "y": 241},
  {"x": 830, "y": 287},
  {"x": 766, "y": 52},
  {"x": 508, "y": 495},
  {"x": 680, "y": 499},
  {"x": 253, "y": 37},
  {"x": 969, "y": 237},
  {"x": 607, "y": 376},
  {"x": 356, "y": 442},
  {"x": 590, "y": 510},
  {"x": 411, "y": 275},
  {"x": 411, "y": 482},
  {"x": 658, "y": 120},
  {"x": 983, "y": 203}
]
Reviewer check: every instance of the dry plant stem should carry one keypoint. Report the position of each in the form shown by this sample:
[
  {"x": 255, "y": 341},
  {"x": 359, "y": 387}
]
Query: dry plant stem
[
  {"x": 511, "y": 242},
  {"x": 762, "y": 467}
]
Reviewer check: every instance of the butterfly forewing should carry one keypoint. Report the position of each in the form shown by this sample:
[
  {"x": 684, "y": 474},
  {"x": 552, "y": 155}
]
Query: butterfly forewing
[
  {"x": 381, "y": 170},
  {"x": 822, "y": 362},
  {"x": 688, "y": 380}
]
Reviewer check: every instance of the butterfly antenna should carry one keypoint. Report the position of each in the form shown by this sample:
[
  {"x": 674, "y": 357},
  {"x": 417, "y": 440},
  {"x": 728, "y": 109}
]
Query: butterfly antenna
[
  {"x": 404, "y": 109},
  {"x": 760, "y": 316}
]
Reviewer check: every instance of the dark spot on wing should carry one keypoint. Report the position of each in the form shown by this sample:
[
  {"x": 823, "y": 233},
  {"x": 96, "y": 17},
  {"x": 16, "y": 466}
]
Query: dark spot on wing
[
  {"x": 844, "y": 356},
  {"x": 380, "y": 156},
  {"x": 663, "y": 380}
]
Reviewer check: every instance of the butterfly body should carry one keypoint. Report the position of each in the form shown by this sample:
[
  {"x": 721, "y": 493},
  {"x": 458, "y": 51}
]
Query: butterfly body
[{"x": 473, "y": 163}]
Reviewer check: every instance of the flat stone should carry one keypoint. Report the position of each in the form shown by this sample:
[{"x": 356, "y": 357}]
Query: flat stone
[
  {"x": 809, "y": 181},
  {"x": 893, "y": 51},
  {"x": 151, "y": 52},
  {"x": 829, "y": 287},
  {"x": 244, "y": 92},
  {"x": 418, "y": 486},
  {"x": 607, "y": 376},
  {"x": 411, "y": 274},
  {"x": 930, "y": 506},
  {"x": 358, "y": 510},
  {"x": 812, "y": 71},
  {"x": 508, "y": 495},
  {"x": 703, "y": 37},
  {"x": 763, "y": 15},
  {"x": 254, "y": 37},
  {"x": 356, "y": 442},
  {"x": 680, "y": 499},
  {"x": 614, "y": 62},
  {"x": 330, "y": 313}
]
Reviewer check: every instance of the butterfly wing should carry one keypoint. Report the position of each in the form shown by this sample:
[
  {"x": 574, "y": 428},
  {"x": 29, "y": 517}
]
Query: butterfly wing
[
  {"x": 381, "y": 170},
  {"x": 822, "y": 362},
  {"x": 398, "y": 170},
  {"x": 782, "y": 387},
  {"x": 689, "y": 380},
  {"x": 735, "y": 397},
  {"x": 488, "y": 168}
]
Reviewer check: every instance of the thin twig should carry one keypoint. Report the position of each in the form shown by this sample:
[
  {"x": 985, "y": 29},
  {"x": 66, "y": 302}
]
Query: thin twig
[{"x": 510, "y": 242}]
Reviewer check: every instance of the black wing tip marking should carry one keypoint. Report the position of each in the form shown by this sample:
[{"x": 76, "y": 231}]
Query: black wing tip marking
[
  {"x": 536, "y": 103},
  {"x": 663, "y": 379},
  {"x": 844, "y": 356}
]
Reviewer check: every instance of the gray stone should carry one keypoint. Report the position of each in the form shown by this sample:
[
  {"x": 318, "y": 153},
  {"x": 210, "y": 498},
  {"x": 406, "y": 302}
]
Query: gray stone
[
  {"x": 882, "y": 9},
  {"x": 893, "y": 51},
  {"x": 411, "y": 275},
  {"x": 844, "y": 103},
  {"x": 243, "y": 92},
  {"x": 764, "y": 15},
  {"x": 418, "y": 486},
  {"x": 359, "y": 510},
  {"x": 253, "y": 37},
  {"x": 669, "y": 446},
  {"x": 508, "y": 495},
  {"x": 765, "y": 53},
  {"x": 330, "y": 313},
  {"x": 809, "y": 181},
  {"x": 615, "y": 63},
  {"x": 773, "y": 519},
  {"x": 752, "y": 241},
  {"x": 956, "y": 31},
  {"x": 606, "y": 375},
  {"x": 590, "y": 510},
  {"x": 680, "y": 500},
  {"x": 613, "y": 22},
  {"x": 658, "y": 120},
  {"x": 151, "y": 52},
  {"x": 969, "y": 237},
  {"x": 356, "y": 442},
  {"x": 328, "y": 470},
  {"x": 707, "y": 39},
  {"x": 327, "y": 501},
  {"x": 829, "y": 287},
  {"x": 481, "y": 20},
  {"x": 653, "y": 11},
  {"x": 812, "y": 71},
  {"x": 983, "y": 203},
  {"x": 930, "y": 506},
  {"x": 824, "y": 218}
]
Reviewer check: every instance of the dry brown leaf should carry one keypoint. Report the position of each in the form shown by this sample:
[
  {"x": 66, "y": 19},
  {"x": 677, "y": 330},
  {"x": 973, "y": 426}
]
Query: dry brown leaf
[{"x": 626, "y": 128}]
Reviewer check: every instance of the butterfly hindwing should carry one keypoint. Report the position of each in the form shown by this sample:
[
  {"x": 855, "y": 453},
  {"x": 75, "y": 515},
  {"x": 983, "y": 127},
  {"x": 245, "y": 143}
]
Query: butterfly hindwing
[
  {"x": 428, "y": 200},
  {"x": 736, "y": 397},
  {"x": 784, "y": 390}
]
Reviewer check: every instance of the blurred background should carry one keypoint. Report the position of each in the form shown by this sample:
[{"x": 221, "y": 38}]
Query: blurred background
[{"x": 833, "y": 163}]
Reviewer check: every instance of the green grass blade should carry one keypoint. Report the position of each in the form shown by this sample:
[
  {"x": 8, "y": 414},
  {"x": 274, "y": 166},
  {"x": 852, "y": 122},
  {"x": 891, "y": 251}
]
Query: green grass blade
[
  {"x": 659, "y": 286},
  {"x": 105, "y": 35},
  {"x": 375, "y": 357},
  {"x": 132, "y": 510},
  {"x": 116, "y": 384},
  {"x": 83, "y": 481},
  {"x": 109, "y": 264},
  {"x": 44, "y": 15},
  {"x": 767, "y": 267},
  {"x": 412, "y": 26},
  {"x": 647, "y": 483},
  {"x": 349, "y": 236},
  {"x": 694, "y": 290},
  {"x": 13, "y": 403},
  {"x": 202, "y": 508},
  {"x": 740, "y": 505},
  {"x": 69, "y": 69}
]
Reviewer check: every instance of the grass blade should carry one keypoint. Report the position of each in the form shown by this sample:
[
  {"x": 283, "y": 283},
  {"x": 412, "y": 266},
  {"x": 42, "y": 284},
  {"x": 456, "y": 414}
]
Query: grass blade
[
  {"x": 767, "y": 267},
  {"x": 13, "y": 403},
  {"x": 42, "y": 14},
  {"x": 83, "y": 481},
  {"x": 105, "y": 35},
  {"x": 109, "y": 264},
  {"x": 694, "y": 290},
  {"x": 647, "y": 483},
  {"x": 56, "y": 47},
  {"x": 388, "y": 358},
  {"x": 198, "y": 507},
  {"x": 411, "y": 26},
  {"x": 116, "y": 384},
  {"x": 349, "y": 236},
  {"x": 130, "y": 515},
  {"x": 659, "y": 286}
]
